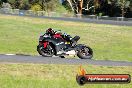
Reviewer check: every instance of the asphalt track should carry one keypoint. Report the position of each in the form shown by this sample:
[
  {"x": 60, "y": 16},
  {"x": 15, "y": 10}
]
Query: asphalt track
[
  {"x": 89, "y": 20},
  {"x": 9, "y": 58},
  {"x": 86, "y": 20}
]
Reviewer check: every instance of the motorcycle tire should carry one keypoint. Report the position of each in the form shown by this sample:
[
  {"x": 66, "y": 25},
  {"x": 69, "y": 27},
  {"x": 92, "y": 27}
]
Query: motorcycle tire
[
  {"x": 48, "y": 54},
  {"x": 81, "y": 55}
]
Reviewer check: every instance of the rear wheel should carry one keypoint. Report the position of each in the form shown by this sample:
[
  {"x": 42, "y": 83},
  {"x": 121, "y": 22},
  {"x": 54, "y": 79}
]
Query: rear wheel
[
  {"x": 46, "y": 52},
  {"x": 85, "y": 53}
]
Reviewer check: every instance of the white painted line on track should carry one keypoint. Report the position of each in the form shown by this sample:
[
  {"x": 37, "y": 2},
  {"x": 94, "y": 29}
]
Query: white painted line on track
[{"x": 10, "y": 54}]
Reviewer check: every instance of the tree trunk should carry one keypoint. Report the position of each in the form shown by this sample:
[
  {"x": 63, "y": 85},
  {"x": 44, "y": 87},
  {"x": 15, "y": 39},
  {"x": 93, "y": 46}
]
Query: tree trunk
[
  {"x": 80, "y": 5},
  {"x": 70, "y": 4}
]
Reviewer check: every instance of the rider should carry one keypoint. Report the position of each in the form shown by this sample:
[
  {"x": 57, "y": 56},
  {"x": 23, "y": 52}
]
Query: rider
[
  {"x": 66, "y": 37},
  {"x": 50, "y": 32}
]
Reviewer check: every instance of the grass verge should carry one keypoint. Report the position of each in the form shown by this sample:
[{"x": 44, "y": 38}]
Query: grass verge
[{"x": 54, "y": 76}]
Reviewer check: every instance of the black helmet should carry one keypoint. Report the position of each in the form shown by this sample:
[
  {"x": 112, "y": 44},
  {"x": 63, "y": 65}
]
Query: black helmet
[{"x": 50, "y": 31}]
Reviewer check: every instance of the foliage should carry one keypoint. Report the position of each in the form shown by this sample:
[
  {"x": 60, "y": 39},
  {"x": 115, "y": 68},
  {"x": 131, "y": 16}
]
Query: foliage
[
  {"x": 6, "y": 5},
  {"x": 46, "y": 5},
  {"x": 49, "y": 5},
  {"x": 36, "y": 7},
  {"x": 112, "y": 8},
  {"x": 0, "y": 3},
  {"x": 20, "y": 4},
  {"x": 123, "y": 5},
  {"x": 67, "y": 6}
]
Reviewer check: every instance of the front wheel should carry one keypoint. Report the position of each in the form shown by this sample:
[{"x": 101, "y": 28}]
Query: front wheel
[
  {"x": 85, "y": 53},
  {"x": 46, "y": 52}
]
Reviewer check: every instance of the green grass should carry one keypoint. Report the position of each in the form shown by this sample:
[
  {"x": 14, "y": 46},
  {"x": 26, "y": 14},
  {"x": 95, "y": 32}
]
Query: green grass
[
  {"x": 20, "y": 35},
  {"x": 54, "y": 76}
]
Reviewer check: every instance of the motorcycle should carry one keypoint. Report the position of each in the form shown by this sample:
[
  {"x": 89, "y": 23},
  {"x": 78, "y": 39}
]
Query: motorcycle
[{"x": 58, "y": 46}]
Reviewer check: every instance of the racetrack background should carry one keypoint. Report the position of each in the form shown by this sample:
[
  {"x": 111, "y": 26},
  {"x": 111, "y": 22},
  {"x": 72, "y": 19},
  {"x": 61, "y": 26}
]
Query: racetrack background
[{"x": 19, "y": 35}]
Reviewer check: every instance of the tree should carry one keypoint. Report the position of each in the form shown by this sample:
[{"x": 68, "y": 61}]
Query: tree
[
  {"x": 19, "y": 4},
  {"x": 6, "y": 5},
  {"x": 68, "y": 6},
  {"x": 76, "y": 5},
  {"x": 123, "y": 4},
  {"x": 0, "y": 3},
  {"x": 48, "y": 5},
  {"x": 5, "y": 1},
  {"x": 36, "y": 7}
]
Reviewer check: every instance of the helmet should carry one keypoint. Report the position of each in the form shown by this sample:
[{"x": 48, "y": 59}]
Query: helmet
[{"x": 50, "y": 31}]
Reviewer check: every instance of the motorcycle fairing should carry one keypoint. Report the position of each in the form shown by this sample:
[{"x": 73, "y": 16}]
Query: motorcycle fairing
[
  {"x": 58, "y": 43},
  {"x": 45, "y": 44}
]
